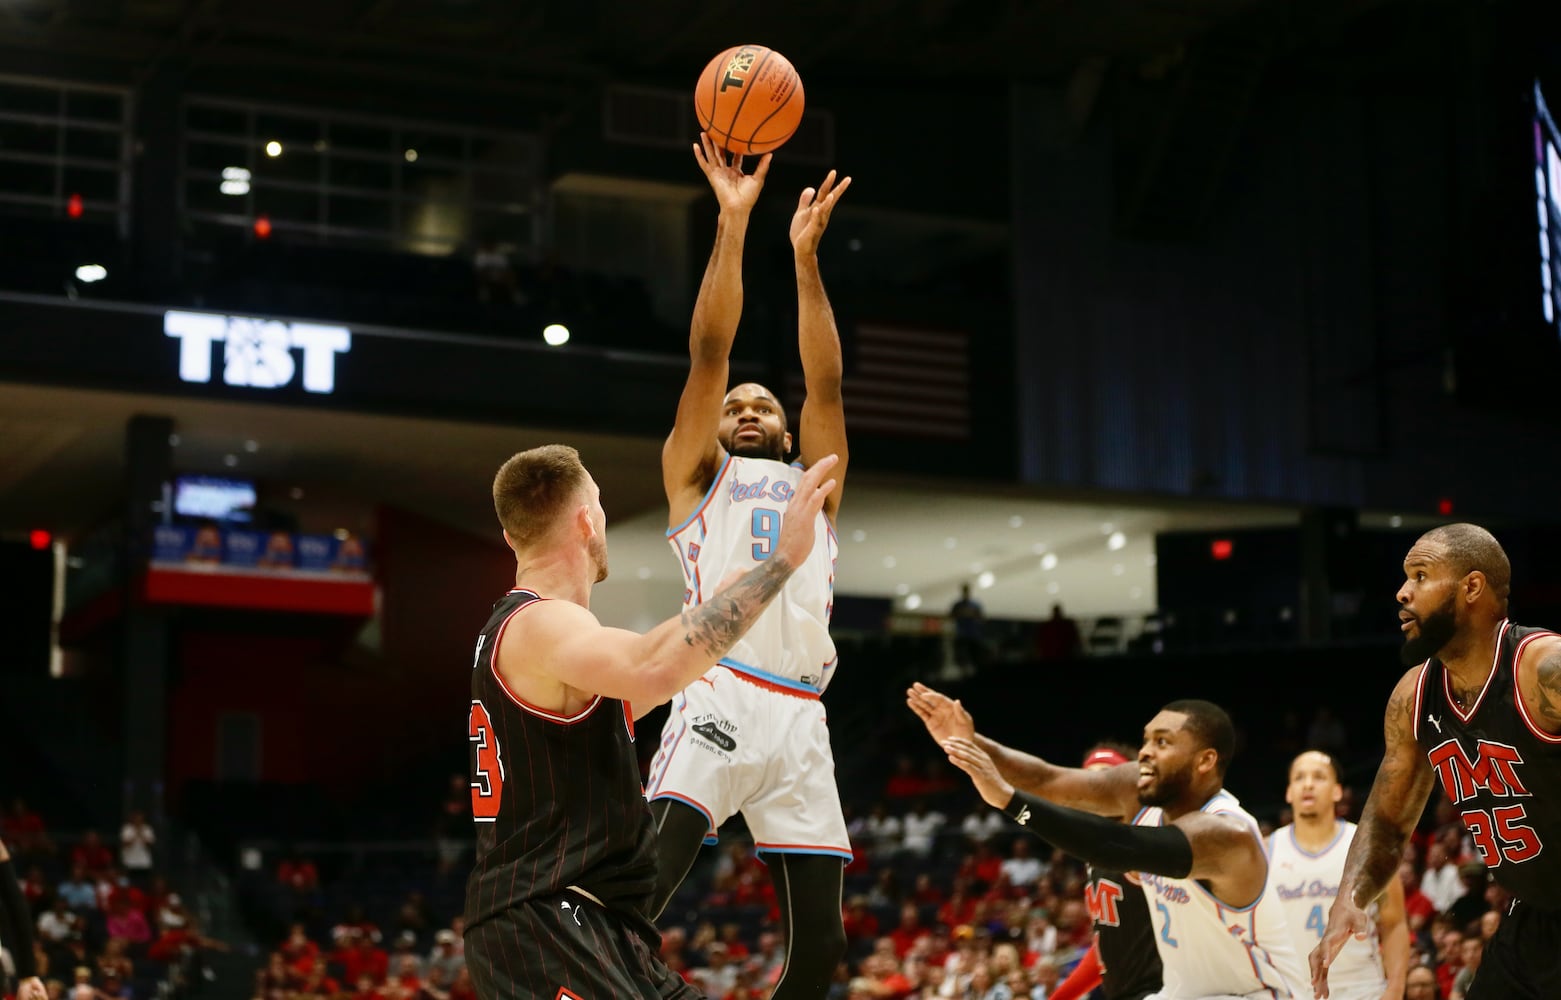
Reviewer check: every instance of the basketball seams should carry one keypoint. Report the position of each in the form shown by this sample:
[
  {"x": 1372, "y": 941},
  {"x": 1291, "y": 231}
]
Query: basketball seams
[
  {"x": 750, "y": 78},
  {"x": 796, "y": 85}
]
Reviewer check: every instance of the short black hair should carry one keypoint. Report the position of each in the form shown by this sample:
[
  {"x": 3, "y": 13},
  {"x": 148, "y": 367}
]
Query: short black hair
[
  {"x": 1333, "y": 763},
  {"x": 1469, "y": 548},
  {"x": 1211, "y": 725}
]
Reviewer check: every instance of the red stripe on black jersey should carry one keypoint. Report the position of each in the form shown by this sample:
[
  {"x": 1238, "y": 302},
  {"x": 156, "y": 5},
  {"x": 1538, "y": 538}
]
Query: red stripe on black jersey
[{"x": 571, "y": 810}]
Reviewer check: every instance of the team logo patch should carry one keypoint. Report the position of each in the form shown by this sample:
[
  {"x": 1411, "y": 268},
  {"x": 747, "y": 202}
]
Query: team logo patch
[{"x": 712, "y": 732}]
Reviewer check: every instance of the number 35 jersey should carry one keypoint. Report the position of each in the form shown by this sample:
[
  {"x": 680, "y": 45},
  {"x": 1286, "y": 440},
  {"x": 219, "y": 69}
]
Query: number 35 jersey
[
  {"x": 1500, "y": 770},
  {"x": 734, "y": 529}
]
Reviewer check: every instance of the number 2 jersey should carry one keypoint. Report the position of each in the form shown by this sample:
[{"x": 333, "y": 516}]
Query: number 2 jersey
[
  {"x": 1307, "y": 884},
  {"x": 1208, "y": 948},
  {"x": 734, "y": 529},
  {"x": 557, "y": 800},
  {"x": 1500, "y": 770}
]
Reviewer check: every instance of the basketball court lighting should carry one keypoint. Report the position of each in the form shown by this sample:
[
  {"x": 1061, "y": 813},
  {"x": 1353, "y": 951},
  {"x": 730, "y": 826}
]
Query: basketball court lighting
[
  {"x": 555, "y": 334},
  {"x": 912, "y": 602},
  {"x": 273, "y": 149},
  {"x": 89, "y": 273}
]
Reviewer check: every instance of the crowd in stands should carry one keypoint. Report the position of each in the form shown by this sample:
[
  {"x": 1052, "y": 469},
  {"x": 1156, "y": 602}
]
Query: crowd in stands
[
  {"x": 944, "y": 899},
  {"x": 108, "y": 924}
]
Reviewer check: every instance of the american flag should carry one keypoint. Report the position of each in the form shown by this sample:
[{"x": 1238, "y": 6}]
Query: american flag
[{"x": 905, "y": 383}]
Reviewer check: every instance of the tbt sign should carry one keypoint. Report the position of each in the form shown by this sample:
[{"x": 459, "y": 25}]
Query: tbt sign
[{"x": 257, "y": 353}]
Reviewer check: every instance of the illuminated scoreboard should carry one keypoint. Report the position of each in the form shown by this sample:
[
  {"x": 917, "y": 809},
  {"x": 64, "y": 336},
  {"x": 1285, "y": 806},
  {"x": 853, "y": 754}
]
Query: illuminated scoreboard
[{"x": 1547, "y": 189}]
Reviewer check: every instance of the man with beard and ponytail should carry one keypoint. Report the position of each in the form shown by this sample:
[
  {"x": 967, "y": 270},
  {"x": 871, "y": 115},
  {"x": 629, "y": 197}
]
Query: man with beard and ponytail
[
  {"x": 1305, "y": 861},
  {"x": 1123, "y": 961},
  {"x": 1197, "y": 854},
  {"x": 559, "y": 902},
  {"x": 749, "y": 736},
  {"x": 1480, "y": 712}
]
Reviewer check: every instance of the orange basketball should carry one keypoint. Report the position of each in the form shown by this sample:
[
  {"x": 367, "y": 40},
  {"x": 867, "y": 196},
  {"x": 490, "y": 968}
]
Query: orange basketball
[{"x": 749, "y": 99}]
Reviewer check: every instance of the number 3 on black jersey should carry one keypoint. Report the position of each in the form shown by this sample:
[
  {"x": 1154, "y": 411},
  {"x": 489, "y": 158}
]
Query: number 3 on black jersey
[{"x": 488, "y": 771}]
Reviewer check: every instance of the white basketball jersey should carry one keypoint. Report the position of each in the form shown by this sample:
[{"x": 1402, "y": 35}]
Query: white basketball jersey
[
  {"x": 1210, "y": 949},
  {"x": 734, "y": 529},
  {"x": 1307, "y": 885}
]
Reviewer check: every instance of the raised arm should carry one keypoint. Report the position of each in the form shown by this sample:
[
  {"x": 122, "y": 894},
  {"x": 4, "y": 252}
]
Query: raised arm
[
  {"x": 823, "y": 424},
  {"x": 560, "y": 645},
  {"x": 1108, "y": 792},
  {"x": 1398, "y": 797},
  {"x": 691, "y": 454},
  {"x": 16, "y": 922}
]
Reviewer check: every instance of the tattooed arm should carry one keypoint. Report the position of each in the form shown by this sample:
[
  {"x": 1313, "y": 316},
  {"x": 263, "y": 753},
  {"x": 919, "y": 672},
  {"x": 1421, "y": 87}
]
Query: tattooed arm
[
  {"x": 557, "y": 656},
  {"x": 1397, "y": 799},
  {"x": 1539, "y": 682}
]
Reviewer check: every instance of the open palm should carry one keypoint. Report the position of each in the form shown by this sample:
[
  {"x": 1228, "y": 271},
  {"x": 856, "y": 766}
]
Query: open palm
[
  {"x": 734, "y": 190},
  {"x": 813, "y": 210}
]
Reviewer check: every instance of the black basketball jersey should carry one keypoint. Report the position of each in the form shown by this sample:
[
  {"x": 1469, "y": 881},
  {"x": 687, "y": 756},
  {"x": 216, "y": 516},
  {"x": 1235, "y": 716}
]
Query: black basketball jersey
[
  {"x": 1499, "y": 769},
  {"x": 1129, "y": 960},
  {"x": 557, "y": 801}
]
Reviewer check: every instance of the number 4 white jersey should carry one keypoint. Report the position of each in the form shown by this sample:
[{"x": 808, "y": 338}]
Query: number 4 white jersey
[
  {"x": 734, "y": 529},
  {"x": 1308, "y": 884},
  {"x": 1209, "y": 949}
]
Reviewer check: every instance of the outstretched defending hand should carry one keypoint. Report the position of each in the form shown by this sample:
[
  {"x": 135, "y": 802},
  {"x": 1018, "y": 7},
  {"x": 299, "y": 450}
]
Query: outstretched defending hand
[
  {"x": 797, "y": 527},
  {"x": 1345, "y": 920},
  {"x": 943, "y": 716},
  {"x": 975, "y": 762},
  {"x": 734, "y": 190},
  {"x": 812, "y": 217}
]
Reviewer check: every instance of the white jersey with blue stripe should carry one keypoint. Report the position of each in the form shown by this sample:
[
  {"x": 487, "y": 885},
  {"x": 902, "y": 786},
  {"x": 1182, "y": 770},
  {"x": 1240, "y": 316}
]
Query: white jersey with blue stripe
[
  {"x": 734, "y": 529},
  {"x": 1307, "y": 884},
  {"x": 1210, "y": 949}
]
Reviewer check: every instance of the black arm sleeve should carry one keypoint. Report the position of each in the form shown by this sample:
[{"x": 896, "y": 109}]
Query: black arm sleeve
[
  {"x": 18, "y": 915},
  {"x": 1105, "y": 843}
]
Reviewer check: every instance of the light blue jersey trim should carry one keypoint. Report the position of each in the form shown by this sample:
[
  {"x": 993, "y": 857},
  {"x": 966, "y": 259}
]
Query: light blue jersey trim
[
  {"x": 765, "y": 675},
  {"x": 1337, "y": 836},
  {"x": 760, "y": 852},
  {"x": 705, "y": 502}
]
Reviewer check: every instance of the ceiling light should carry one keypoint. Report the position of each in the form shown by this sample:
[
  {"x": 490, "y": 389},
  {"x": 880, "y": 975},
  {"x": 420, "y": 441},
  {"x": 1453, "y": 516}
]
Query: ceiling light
[
  {"x": 986, "y": 580},
  {"x": 1054, "y": 587},
  {"x": 230, "y": 460},
  {"x": 950, "y": 542},
  {"x": 555, "y": 334},
  {"x": 173, "y": 440},
  {"x": 1049, "y": 561},
  {"x": 858, "y": 535},
  {"x": 411, "y": 156},
  {"x": 643, "y": 573},
  {"x": 1107, "y": 528},
  {"x": 342, "y": 534},
  {"x": 297, "y": 493},
  {"x": 1116, "y": 541},
  {"x": 1039, "y": 548},
  {"x": 977, "y": 567},
  {"x": 251, "y": 446},
  {"x": 1135, "y": 593},
  {"x": 912, "y": 602},
  {"x": 1151, "y": 559},
  {"x": 273, "y": 149},
  {"x": 902, "y": 589},
  {"x": 1118, "y": 569},
  {"x": 1016, "y": 521},
  {"x": 1395, "y": 521},
  {"x": 889, "y": 562},
  {"x": 88, "y": 273}
]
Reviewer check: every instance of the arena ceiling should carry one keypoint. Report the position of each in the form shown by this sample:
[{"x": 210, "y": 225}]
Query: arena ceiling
[{"x": 553, "y": 47}]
